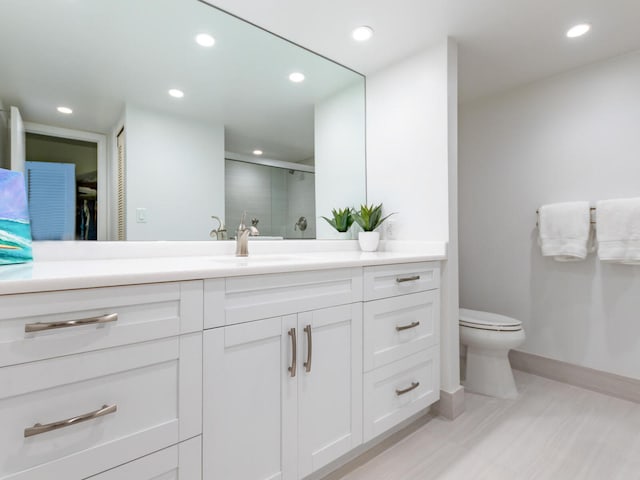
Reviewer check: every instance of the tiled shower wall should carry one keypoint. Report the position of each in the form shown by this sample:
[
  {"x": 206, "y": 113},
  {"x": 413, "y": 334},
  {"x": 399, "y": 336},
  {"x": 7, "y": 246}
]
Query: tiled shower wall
[{"x": 276, "y": 197}]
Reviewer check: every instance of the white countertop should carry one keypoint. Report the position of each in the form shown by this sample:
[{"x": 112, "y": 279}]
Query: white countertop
[{"x": 65, "y": 274}]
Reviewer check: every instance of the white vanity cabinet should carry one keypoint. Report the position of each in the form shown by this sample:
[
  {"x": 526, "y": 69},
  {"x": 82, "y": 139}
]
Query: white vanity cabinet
[
  {"x": 178, "y": 462},
  {"x": 401, "y": 343},
  {"x": 92, "y": 379},
  {"x": 283, "y": 395},
  {"x": 248, "y": 377}
]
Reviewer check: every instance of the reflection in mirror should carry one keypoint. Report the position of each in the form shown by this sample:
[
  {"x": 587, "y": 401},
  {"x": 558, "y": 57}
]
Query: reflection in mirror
[
  {"x": 276, "y": 197},
  {"x": 161, "y": 172}
]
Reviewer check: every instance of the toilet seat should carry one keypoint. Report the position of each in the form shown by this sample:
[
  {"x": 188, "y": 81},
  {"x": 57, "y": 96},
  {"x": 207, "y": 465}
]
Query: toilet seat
[{"x": 488, "y": 321}]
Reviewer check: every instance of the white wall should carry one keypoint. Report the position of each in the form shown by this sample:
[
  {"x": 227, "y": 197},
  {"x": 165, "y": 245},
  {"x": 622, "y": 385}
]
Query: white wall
[
  {"x": 175, "y": 169},
  {"x": 339, "y": 154},
  {"x": 571, "y": 137},
  {"x": 412, "y": 167},
  {"x": 407, "y": 143}
]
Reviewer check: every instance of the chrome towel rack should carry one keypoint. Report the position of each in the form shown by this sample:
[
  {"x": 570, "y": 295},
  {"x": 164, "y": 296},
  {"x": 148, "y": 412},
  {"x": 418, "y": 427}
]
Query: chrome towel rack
[{"x": 592, "y": 212}]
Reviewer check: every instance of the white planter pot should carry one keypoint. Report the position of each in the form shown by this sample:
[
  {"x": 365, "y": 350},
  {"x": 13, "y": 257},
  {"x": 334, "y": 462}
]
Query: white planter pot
[
  {"x": 343, "y": 235},
  {"x": 369, "y": 241}
]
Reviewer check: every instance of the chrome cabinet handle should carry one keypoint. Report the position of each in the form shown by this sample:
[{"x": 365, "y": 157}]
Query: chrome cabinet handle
[
  {"x": 307, "y": 364},
  {"x": 413, "y": 386},
  {"x": 37, "y": 429},
  {"x": 40, "y": 326},
  {"x": 294, "y": 352},
  {"x": 407, "y": 327},
  {"x": 407, "y": 279}
]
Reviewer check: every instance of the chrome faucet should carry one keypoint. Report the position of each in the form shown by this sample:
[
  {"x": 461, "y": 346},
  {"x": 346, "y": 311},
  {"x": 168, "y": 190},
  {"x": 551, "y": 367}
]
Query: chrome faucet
[{"x": 242, "y": 237}]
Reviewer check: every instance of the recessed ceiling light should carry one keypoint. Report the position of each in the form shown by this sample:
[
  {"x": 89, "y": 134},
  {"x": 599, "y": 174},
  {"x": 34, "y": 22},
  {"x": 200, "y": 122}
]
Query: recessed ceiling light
[
  {"x": 65, "y": 110},
  {"x": 362, "y": 34},
  {"x": 205, "y": 40},
  {"x": 296, "y": 77},
  {"x": 174, "y": 92},
  {"x": 578, "y": 30},
  {"x": 257, "y": 152}
]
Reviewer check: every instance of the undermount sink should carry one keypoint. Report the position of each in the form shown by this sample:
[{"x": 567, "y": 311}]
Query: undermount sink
[{"x": 254, "y": 259}]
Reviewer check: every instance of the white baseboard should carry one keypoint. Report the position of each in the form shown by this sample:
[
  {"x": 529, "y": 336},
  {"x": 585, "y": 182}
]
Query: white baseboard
[
  {"x": 451, "y": 404},
  {"x": 603, "y": 382}
]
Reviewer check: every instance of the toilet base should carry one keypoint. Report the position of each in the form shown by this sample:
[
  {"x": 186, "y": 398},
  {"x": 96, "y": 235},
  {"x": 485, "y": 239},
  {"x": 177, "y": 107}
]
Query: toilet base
[{"x": 489, "y": 373}]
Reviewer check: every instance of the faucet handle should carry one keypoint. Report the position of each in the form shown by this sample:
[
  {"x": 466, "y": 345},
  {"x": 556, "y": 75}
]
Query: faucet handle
[{"x": 301, "y": 224}]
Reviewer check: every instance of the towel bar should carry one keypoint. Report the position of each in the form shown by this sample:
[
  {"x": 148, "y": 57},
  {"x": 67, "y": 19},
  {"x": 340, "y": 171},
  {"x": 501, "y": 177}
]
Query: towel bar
[{"x": 591, "y": 212}]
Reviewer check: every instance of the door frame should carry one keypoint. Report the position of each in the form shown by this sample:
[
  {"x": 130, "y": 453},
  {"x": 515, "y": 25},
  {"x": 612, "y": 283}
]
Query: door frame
[{"x": 101, "y": 142}]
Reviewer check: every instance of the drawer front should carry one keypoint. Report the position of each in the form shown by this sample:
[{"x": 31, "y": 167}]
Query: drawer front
[
  {"x": 263, "y": 296},
  {"x": 399, "y": 279},
  {"x": 93, "y": 319},
  {"x": 397, "y": 327},
  {"x": 130, "y": 398},
  {"x": 397, "y": 391},
  {"x": 178, "y": 462}
]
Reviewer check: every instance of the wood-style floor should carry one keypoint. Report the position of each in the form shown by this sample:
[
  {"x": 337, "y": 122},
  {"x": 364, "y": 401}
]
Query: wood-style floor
[{"x": 552, "y": 431}]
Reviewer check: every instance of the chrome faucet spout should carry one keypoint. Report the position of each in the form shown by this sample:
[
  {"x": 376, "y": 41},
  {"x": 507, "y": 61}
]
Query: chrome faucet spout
[{"x": 242, "y": 237}]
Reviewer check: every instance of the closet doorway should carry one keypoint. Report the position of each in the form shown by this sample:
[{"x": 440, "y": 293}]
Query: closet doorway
[{"x": 66, "y": 168}]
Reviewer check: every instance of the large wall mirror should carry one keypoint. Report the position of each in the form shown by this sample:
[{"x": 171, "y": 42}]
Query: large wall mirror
[{"x": 164, "y": 113}]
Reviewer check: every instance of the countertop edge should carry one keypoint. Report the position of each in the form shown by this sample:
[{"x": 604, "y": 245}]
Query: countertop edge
[{"x": 162, "y": 270}]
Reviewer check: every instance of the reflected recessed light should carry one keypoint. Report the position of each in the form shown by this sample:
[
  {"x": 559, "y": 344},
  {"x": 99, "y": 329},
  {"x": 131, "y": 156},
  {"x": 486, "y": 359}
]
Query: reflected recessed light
[
  {"x": 296, "y": 77},
  {"x": 578, "y": 30},
  {"x": 362, "y": 34},
  {"x": 257, "y": 152},
  {"x": 65, "y": 110},
  {"x": 174, "y": 92},
  {"x": 205, "y": 40}
]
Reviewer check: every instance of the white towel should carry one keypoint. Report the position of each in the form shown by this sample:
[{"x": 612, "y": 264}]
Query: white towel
[
  {"x": 619, "y": 230},
  {"x": 565, "y": 231}
]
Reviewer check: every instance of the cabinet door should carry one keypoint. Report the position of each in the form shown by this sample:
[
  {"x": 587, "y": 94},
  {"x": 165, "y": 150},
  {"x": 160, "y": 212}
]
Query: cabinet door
[
  {"x": 244, "y": 401},
  {"x": 329, "y": 385}
]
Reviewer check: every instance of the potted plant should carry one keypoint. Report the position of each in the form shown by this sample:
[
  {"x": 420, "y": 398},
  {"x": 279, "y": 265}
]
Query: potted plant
[
  {"x": 341, "y": 221},
  {"x": 369, "y": 218}
]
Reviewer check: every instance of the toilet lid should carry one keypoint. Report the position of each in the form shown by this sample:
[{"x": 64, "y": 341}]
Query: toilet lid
[{"x": 488, "y": 321}]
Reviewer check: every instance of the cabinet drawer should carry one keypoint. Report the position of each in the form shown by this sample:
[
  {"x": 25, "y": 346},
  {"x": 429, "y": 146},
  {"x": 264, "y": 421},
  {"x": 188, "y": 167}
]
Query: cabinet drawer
[
  {"x": 95, "y": 318},
  {"x": 391, "y": 280},
  {"x": 262, "y": 296},
  {"x": 397, "y": 327},
  {"x": 134, "y": 400},
  {"x": 179, "y": 462},
  {"x": 385, "y": 402}
]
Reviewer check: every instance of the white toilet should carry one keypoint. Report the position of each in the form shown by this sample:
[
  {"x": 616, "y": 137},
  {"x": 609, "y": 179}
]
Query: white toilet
[{"x": 488, "y": 338}]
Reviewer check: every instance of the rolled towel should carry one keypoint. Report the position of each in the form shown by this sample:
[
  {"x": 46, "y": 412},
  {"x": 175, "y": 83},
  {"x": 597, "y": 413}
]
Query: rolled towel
[
  {"x": 565, "y": 231},
  {"x": 619, "y": 230}
]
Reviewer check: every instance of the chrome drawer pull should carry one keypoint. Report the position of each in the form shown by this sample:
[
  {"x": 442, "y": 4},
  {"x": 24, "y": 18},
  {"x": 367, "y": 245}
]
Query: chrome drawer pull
[
  {"x": 407, "y": 327},
  {"x": 40, "y": 326},
  {"x": 307, "y": 364},
  {"x": 294, "y": 352},
  {"x": 37, "y": 429},
  {"x": 413, "y": 386},
  {"x": 407, "y": 279}
]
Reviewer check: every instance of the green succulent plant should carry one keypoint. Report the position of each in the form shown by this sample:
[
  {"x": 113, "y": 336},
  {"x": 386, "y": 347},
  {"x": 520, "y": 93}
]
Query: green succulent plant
[
  {"x": 369, "y": 217},
  {"x": 342, "y": 219}
]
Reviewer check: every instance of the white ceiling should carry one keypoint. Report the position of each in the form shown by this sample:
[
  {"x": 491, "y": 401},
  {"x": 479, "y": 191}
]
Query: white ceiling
[{"x": 503, "y": 43}]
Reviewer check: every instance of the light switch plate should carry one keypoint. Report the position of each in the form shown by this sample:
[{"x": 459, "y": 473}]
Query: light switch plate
[{"x": 141, "y": 215}]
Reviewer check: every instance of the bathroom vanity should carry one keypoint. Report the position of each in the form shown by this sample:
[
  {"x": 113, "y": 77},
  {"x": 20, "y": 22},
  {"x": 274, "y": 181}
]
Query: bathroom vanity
[{"x": 212, "y": 367}]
